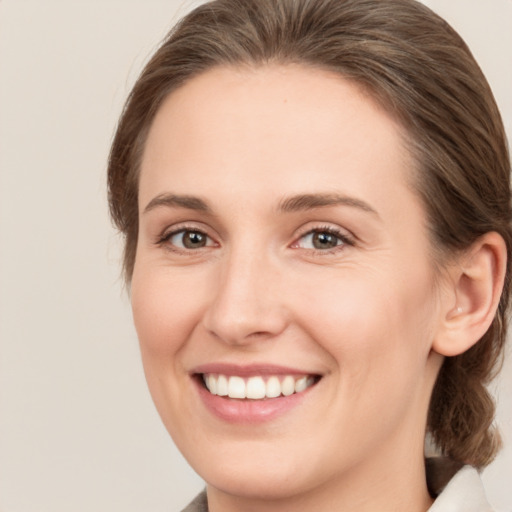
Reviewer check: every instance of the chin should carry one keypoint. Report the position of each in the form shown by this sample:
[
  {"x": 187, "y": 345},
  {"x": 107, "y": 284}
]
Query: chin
[
  {"x": 268, "y": 473},
  {"x": 256, "y": 482}
]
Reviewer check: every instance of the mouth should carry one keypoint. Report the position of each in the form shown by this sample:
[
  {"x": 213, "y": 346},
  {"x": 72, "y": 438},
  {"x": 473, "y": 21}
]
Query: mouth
[
  {"x": 256, "y": 387},
  {"x": 252, "y": 394}
]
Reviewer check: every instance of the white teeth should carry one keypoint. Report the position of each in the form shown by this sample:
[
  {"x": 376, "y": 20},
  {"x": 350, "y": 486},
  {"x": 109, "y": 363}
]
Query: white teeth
[
  {"x": 222, "y": 386},
  {"x": 288, "y": 386},
  {"x": 273, "y": 388},
  {"x": 236, "y": 387},
  {"x": 301, "y": 384},
  {"x": 256, "y": 387},
  {"x": 212, "y": 384}
]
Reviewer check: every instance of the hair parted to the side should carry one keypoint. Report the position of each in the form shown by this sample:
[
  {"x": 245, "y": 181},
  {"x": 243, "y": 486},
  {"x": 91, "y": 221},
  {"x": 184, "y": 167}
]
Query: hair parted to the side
[{"x": 421, "y": 71}]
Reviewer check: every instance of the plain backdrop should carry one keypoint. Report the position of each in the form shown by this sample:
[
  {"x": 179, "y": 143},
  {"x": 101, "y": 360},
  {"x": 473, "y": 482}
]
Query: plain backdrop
[{"x": 78, "y": 431}]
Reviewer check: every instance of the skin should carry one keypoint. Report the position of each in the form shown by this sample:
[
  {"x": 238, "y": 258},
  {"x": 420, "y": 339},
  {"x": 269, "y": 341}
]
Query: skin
[{"x": 364, "y": 314}]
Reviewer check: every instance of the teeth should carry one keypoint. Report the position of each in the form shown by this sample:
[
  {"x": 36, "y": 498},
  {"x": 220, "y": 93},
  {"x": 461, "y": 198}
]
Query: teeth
[
  {"x": 273, "y": 388},
  {"x": 236, "y": 387},
  {"x": 288, "y": 386},
  {"x": 212, "y": 384},
  {"x": 257, "y": 387},
  {"x": 222, "y": 386},
  {"x": 301, "y": 384}
]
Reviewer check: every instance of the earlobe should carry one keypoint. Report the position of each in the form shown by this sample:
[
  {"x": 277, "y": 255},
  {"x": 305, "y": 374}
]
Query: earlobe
[{"x": 476, "y": 283}]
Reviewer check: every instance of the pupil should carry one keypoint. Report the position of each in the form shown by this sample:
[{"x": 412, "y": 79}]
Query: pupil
[
  {"x": 193, "y": 240},
  {"x": 324, "y": 240}
]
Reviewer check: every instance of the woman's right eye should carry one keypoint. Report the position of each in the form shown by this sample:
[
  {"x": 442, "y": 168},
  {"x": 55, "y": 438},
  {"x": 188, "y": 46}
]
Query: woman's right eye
[{"x": 188, "y": 239}]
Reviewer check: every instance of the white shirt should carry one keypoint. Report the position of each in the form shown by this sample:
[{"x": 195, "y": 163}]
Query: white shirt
[{"x": 463, "y": 493}]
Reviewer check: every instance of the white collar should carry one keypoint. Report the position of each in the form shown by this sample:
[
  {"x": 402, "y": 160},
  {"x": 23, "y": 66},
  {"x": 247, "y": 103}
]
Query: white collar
[{"x": 463, "y": 493}]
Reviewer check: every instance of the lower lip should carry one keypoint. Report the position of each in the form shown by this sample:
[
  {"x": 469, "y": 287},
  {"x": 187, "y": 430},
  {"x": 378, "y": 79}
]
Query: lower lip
[{"x": 249, "y": 411}]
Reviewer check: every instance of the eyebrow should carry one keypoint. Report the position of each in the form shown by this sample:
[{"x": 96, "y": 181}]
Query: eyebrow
[
  {"x": 174, "y": 200},
  {"x": 297, "y": 203},
  {"x": 303, "y": 202}
]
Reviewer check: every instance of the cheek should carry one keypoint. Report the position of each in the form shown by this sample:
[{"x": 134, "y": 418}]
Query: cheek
[
  {"x": 378, "y": 330},
  {"x": 165, "y": 310}
]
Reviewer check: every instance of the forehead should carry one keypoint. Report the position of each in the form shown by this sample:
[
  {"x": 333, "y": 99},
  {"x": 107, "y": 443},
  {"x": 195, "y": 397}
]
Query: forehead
[{"x": 281, "y": 128}]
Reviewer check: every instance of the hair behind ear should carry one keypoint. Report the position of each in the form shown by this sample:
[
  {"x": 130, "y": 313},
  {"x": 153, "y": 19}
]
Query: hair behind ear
[{"x": 462, "y": 410}]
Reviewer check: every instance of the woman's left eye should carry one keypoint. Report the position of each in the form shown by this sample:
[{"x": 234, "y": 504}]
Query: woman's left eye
[
  {"x": 189, "y": 239},
  {"x": 322, "y": 240}
]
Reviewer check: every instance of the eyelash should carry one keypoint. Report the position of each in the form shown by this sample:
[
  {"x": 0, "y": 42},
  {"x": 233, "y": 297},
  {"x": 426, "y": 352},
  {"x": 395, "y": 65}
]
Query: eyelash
[
  {"x": 344, "y": 239},
  {"x": 165, "y": 238}
]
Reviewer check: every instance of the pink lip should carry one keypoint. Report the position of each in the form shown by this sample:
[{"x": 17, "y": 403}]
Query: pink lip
[
  {"x": 248, "y": 370},
  {"x": 247, "y": 411}
]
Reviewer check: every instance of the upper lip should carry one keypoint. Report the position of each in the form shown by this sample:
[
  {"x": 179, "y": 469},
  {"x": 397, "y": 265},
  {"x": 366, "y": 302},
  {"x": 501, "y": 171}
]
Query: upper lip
[{"x": 249, "y": 370}]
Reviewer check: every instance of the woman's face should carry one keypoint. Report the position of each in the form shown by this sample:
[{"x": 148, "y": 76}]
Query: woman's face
[{"x": 281, "y": 250}]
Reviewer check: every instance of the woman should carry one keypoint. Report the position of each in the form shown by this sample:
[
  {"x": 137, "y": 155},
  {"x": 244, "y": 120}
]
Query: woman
[{"x": 316, "y": 206}]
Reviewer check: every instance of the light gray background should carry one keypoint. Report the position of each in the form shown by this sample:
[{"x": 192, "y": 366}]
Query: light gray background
[{"x": 78, "y": 431}]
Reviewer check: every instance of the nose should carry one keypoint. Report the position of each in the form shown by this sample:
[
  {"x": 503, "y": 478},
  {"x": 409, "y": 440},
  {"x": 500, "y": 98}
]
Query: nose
[{"x": 247, "y": 305}]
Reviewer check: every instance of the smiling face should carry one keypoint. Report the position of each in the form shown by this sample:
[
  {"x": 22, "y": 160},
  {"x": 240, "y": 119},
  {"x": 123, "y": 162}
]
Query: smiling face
[{"x": 283, "y": 256}]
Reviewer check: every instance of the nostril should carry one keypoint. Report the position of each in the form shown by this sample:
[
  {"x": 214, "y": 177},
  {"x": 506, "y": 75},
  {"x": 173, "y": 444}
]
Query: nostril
[
  {"x": 238, "y": 332},
  {"x": 260, "y": 334}
]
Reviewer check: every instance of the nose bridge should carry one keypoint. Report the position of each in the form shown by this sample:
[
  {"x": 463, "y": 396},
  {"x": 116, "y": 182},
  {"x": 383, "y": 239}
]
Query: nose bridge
[{"x": 246, "y": 303}]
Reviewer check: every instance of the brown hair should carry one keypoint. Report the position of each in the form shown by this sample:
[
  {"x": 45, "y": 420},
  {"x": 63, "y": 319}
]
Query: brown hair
[{"x": 419, "y": 69}]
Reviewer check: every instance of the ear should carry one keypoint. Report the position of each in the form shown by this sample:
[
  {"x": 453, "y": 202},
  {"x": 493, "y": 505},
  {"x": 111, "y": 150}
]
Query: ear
[{"x": 470, "y": 301}]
